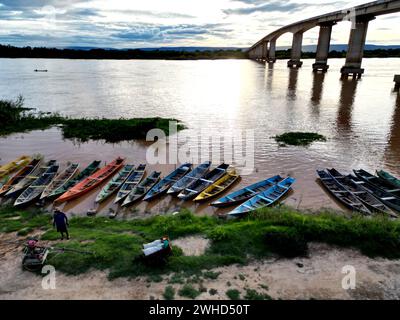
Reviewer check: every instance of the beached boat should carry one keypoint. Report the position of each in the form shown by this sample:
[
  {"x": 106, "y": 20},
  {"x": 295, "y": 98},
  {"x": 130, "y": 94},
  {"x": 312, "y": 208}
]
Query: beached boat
[
  {"x": 134, "y": 178},
  {"x": 196, "y": 187},
  {"x": 376, "y": 182},
  {"x": 192, "y": 176},
  {"x": 60, "y": 180},
  {"x": 116, "y": 182},
  {"x": 164, "y": 184},
  {"x": 92, "y": 181},
  {"x": 142, "y": 188},
  {"x": 368, "y": 199},
  {"x": 21, "y": 174},
  {"x": 387, "y": 198},
  {"x": 264, "y": 199},
  {"x": 219, "y": 186},
  {"x": 8, "y": 168},
  {"x": 246, "y": 193},
  {"x": 87, "y": 172},
  {"x": 347, "y": 198},
  {"x": 36, "y": 188},
  {"x": 388, "y": 178},
  {"x": 29, "y": 178}
]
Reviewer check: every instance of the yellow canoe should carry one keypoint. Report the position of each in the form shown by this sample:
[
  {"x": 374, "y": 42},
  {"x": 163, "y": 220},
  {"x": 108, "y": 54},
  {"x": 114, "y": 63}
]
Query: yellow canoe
[
  {"x": 6, "y": 169},
  {"x": 218, "y": 186}
]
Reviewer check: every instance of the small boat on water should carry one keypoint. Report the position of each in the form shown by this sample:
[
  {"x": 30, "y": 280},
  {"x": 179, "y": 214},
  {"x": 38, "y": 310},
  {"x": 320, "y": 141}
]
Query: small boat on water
[
  {"x": 92, "y": 181},
  {"x": 87, "y": 172},
  {"x": 247, "y": 192},
  {"x": 264, "y": 199},
  {"x": 60, "y": 180},
  {"x": 192, "y": 176},
  {"x": 387, "y": 198},
  {"x": 142, "y": 188},
  {"x": 368, "y": 199},
  {"x": 116, "y": 182},
  {"x": 21, "y": 174},
  {"x": 376, "y": 182},
  {"x": 347, "y": 198},
  {"x": 40, "y": 70},
  {"x": 388, "y": 178},
  {"x": 134, "y": 178},
  {"x": 219, "y": 186},
  {"x": 196, "y": 187},
  {"x": 8, "y": 168},
  {"x": 36, "y": 188},
  {"x": 169, "y": 180}
]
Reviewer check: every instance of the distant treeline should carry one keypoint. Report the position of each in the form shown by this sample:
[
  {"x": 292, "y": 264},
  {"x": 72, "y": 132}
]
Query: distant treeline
[
  {"x": 377, "y": 53},
  {"x": 7, "y": 51}
]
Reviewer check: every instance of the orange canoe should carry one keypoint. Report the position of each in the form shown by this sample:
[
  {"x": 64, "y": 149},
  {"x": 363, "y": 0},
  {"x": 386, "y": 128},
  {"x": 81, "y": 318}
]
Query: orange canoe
[{"x": 91, "y": 182}]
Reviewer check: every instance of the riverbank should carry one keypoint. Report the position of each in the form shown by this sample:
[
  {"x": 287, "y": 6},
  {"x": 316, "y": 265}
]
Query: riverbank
[{"x": 276, "y": 253}]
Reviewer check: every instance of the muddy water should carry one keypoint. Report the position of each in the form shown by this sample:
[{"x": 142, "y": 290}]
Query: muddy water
[{"x": 361, "y": 119}]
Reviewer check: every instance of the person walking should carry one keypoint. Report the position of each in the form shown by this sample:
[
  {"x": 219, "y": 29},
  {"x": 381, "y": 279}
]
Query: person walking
[{"x": 60, "y": 221}]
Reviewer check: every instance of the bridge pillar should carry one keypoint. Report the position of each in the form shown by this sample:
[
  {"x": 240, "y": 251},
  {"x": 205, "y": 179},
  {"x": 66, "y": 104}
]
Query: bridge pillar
[
  {"x": 397, "y": 82},
  {"x": 271, "y": 52},
  {"x": 355, "y": 49},
  {"x": 294, "y": 61},
  {"x": 264, "y": 51},
  {"x": 324, "y": 41}
]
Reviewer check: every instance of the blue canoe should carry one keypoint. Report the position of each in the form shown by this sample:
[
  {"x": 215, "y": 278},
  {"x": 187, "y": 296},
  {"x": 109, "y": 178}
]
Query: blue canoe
[
  {"x": 263, "y": 199},
  {"x": 247, "y": 192},
  {"x": 192, "y": 176},
  {"x": 169, "y": 180}
]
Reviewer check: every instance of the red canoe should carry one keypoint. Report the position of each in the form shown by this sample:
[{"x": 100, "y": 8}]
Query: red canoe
[{"x": 91, "y": 182}]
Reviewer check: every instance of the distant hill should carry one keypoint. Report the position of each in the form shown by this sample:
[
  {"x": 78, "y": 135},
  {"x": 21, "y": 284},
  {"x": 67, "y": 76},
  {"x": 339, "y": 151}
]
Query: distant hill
[
  {"x": 342, "y": 47},
  {"x": 185, "y": 49}
]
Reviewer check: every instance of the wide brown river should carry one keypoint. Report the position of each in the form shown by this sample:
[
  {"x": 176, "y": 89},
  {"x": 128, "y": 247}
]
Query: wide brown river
[{"x": 361, "y": 119}]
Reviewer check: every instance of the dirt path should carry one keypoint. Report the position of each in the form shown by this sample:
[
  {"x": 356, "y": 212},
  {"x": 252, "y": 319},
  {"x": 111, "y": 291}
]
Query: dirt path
[{"x": 316, "y": 277}]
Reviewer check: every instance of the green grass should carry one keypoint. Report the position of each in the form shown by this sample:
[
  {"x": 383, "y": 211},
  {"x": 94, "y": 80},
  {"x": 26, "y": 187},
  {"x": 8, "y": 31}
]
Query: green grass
[
  {"x": 254, "y": 295},
  {"x": 233, "y": 294},
  {"x": 188, "y": 291},
  {"x": 169, "y": 293},
  {"x": 299, "y": 138},
  {"x": 15, "y": 118},
  {"x": 116, "y": 244}
]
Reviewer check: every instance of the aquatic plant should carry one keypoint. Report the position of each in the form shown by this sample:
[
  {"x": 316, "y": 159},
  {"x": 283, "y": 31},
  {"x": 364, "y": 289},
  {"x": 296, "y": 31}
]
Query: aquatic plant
[{"x": 299, "y": 138}]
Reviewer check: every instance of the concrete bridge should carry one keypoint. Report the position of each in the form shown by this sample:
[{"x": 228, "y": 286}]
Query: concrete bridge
[{"x": 360, "y": 16}]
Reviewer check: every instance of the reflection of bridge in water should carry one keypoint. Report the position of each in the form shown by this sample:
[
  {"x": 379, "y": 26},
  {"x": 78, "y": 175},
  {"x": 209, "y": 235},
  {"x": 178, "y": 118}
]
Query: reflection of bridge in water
[
  {"x": 360, "y": 16},
  {"x": 392, "y": 153}
]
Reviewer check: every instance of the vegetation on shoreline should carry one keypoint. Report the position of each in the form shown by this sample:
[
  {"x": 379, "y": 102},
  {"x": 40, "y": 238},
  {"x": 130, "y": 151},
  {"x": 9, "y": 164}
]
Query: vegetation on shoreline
[
  {"x": 7, "y": 51},
  {"x": 16, "y": 118},
  {"x": 284, "y": 231},
  {"x": 299, "y": 138}
]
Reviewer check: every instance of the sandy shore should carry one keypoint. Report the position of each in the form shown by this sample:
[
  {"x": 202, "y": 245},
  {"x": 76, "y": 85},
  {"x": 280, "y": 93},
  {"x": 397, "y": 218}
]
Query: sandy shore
[{"x": 318, "y": 276}]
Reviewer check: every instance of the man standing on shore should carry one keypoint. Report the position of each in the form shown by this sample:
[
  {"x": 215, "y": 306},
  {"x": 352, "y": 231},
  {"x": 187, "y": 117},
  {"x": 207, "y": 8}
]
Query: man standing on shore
[{"x": 60, "y": 221}]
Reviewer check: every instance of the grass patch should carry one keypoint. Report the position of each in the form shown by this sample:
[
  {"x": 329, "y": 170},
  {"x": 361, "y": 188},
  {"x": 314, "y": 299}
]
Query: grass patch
[
  {"x": 169, "y": 293},
  {"x": 299, "y": 138},
  {"x": 211, "y": 275},
  {"x": 254, "y": 295},
  {"x": 188, "y": 291},
  {"x": 17, "y": 118},
  {"x": 233, "y": 294},
  {"x": 212, "y": 292}
]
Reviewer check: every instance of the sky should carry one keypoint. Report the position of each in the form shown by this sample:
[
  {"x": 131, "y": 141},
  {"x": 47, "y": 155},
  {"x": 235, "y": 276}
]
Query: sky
[{"x": 167, "y": 23}]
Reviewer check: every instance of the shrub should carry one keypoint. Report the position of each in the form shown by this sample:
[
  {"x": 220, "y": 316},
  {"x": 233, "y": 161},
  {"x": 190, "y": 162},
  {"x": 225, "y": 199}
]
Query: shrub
[
  {"x": 285, "y": 241},
  {"x": 169, "y": 293},
  {"x": 233, "y": 294},
  {"x": 189, "y": 292},
  {"x": 254, "y": 295}
]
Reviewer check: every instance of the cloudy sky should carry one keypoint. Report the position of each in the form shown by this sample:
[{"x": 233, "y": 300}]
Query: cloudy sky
[{"x": 154, "y": 23}]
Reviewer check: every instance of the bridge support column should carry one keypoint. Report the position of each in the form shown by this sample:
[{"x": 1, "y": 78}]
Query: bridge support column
[
  {"x": 324, "y": 41},
  {"x": 294, "y": 61},
  {"x": 355, "y": 50},
  {"x": 271, "y": 51},
  {"x": 264, "y": 51},
  {"x": 397, "y": 82}
]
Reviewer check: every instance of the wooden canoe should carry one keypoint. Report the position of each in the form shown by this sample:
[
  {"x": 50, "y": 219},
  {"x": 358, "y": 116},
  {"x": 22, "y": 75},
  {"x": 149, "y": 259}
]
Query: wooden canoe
[
  {"x": 247, "y": 192},
  {"x": 92, "y": 181},
  {"x": 219, "y": 186},
  {"x": 133, "y": 180},
  {"x": 164, "y": 184},
  {"x": 116, "y": 182},
  {"x": 21, "y": 174},
  {"x": 87, "y": 172},
  {"x": 36, "y": 188},
  {"x": 343, "y": 195},
  {"x": 60, "y": 180},
  {"x": 263, "y": 199},
  {"x": 192, "y": 176},
  {"x": 376, "y": 182},
  {"x": 8, "y": 168},
  {"x": 388, "y": 178},
  {"x": 368, "y": 199},
  {"x": 196, "y": 187},
  {"x": 142, "y": 188}
]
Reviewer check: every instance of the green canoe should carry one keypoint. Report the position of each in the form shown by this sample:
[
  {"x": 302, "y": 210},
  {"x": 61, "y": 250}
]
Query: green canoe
[{"x": 387, "y": 177}]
